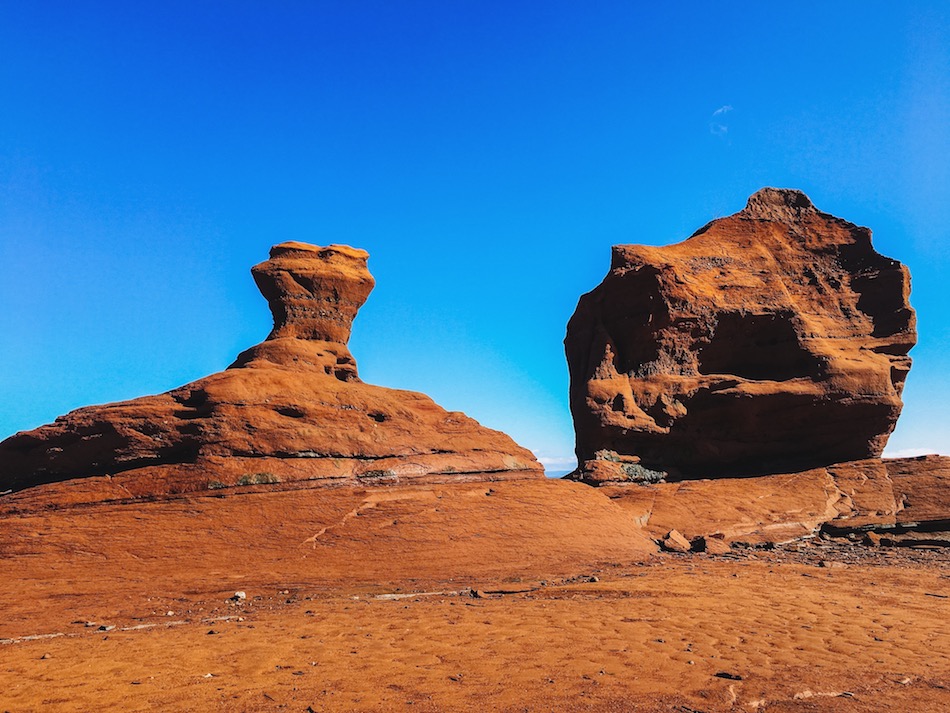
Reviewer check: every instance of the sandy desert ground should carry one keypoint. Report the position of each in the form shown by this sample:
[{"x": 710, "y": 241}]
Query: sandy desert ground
[{"x": 479, "y": 596}]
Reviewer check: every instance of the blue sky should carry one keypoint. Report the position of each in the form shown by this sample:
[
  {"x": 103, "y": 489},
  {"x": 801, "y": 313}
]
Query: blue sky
[{"x": 486, "y": 154}]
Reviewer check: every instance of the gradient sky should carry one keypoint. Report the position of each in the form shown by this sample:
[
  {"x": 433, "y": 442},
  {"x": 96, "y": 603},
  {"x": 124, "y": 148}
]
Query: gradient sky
[{"x": 486, "y": 154}]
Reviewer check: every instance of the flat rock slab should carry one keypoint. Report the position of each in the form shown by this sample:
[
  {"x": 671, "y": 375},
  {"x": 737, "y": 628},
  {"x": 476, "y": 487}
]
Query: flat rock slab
[
  {"x": 868, "y": 495},
  {"x": 169, "y": 552}
]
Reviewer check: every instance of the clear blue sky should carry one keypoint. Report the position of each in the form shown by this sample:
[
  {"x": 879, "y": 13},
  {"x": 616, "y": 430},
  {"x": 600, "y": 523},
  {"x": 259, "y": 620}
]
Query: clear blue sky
[{"x": 486, "y": 154}]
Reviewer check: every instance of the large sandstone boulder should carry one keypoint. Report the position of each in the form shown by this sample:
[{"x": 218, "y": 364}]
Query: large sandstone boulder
[
  {"x": 289, "y": 409},
  {"x": 771, "y": 341}
]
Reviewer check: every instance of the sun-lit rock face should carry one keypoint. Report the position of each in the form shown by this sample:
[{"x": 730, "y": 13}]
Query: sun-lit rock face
[
  {"x": 905, "y": 500},
  {"x": 289, "y": 409},
  {"x": 314, "y": 292},
  {"x": 772, "y": 340}
]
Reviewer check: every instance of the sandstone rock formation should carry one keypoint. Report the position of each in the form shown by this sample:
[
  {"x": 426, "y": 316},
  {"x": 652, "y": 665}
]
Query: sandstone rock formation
[
  {"x": 771, "y": 341},
  {"x": 289, "y": 409},
  {"x": 903, "y": 501}
]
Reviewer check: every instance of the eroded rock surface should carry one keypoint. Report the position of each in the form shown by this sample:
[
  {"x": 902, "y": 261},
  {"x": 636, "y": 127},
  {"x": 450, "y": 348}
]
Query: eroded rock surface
[
  {"x": 904, "y": 500},
  {"x": 771, "y": 341},
  {"x": 289, "y": 409}
]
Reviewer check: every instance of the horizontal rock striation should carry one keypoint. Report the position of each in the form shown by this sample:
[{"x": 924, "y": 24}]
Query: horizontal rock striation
[
  {"x": 771, "y": 341},
  {"x": 289, "y": 409},
  {"x": 903, "y": 501}
]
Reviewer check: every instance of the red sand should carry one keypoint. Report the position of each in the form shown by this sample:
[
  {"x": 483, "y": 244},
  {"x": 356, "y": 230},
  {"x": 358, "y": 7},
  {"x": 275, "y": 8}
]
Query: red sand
[{"x": 325, "y": 626}]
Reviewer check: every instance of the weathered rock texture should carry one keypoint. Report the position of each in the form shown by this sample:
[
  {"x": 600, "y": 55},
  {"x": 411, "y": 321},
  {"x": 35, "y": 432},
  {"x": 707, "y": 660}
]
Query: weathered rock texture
[
  {"x": 903, "y": 501},
  {"x": 289, "y": 409},
  {"x": 771, "y": 341}
]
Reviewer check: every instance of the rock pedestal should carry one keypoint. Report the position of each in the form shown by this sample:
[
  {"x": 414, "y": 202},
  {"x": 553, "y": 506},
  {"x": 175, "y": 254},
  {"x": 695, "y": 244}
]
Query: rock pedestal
[{"x": 289, "y": 409}]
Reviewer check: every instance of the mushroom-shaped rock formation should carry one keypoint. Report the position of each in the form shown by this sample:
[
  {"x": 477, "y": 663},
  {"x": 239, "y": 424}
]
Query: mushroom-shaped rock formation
[
  {"x": 770, "y": 341},
  {"x": 289, "y": 409}
]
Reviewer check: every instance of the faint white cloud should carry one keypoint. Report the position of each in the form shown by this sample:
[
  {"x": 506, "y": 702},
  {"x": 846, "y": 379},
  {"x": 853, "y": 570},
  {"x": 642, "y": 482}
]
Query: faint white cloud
[
  {"x": 554, "y": 464},
  {"x": 909, "y": 452},
  {"x": 717, "y": 125}
]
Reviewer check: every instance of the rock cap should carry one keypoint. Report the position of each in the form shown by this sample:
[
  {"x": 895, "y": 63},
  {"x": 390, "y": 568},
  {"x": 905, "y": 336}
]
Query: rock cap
[
  {"x": 314, "y": 292},
  {"x": 781, "y": 204}
]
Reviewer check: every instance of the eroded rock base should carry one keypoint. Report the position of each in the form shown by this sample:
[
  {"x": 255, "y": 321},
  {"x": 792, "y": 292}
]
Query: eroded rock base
[{"x": 902, "y": 501}]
